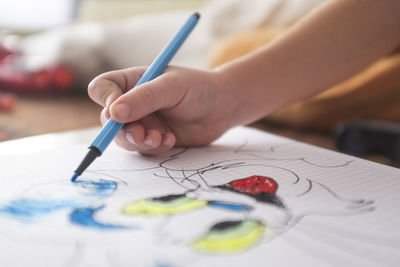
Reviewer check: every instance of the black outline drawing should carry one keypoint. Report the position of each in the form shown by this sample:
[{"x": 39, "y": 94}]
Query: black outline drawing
[{"x": 193, "y": 180}]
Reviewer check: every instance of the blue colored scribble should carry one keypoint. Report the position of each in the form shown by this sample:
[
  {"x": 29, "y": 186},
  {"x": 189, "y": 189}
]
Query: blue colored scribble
[
  {"x": 85, "y": 217},
  {"x": 162, "y": 264},
  {"x": 100, "y": 189},
  {"x": 40, "y": 202},
  {"x": 230, "y": 206},
  {"x": 25, "y": 209}
]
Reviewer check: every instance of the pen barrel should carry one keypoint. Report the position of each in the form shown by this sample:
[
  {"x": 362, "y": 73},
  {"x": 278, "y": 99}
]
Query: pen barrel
[
  {"x": 106, "y": 135},
  {"x": 161, "y": 62}
]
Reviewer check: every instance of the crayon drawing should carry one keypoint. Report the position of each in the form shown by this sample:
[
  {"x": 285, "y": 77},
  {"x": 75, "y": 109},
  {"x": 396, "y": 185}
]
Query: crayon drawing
[
  {"x": 220, "y": 200},
  {"x": 37, "y": 202},
  {"x": 247, "y": 208}
]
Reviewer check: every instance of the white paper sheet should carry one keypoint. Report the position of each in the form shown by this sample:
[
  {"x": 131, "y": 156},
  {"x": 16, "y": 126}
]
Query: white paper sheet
[{"x": 250, "y": 199}]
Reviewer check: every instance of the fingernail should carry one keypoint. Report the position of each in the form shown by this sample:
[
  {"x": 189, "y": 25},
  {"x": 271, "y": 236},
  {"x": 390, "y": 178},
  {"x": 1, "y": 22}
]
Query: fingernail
[
  {"x": 166, "y": 141},
  {"x": 148, "y": 141},
  {"x": 129, "y": 137},
  {"x": 122, "y": 111}
]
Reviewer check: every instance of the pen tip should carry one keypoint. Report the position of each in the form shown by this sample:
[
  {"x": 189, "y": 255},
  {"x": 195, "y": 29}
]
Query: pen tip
[
  {"x": 74, "y": 177},
  {"x": 197, "y": 14}
]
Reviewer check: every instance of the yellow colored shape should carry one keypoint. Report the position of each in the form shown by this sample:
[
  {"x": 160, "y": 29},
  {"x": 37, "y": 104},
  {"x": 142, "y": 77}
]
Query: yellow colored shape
[
  {"x": 231, "y": 240},
  {"x": 153, "y": 207}
]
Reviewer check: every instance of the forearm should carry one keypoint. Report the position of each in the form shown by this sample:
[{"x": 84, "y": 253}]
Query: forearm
[{"x": 336, "y": 41}]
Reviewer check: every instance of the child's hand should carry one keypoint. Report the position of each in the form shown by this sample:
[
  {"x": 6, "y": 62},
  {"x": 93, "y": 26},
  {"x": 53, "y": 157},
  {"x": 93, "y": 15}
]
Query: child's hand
[
  {"x": 181, "y": 107},
  {"x": 192, "y": 107}
]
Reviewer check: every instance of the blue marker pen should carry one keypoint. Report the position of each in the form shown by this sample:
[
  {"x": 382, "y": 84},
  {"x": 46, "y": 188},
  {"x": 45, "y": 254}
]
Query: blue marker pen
[{"x": 112, "y": 127}]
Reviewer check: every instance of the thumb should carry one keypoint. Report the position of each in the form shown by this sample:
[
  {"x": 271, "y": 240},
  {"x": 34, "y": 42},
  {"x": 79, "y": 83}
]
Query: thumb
[{"x": 162, "y": 92}]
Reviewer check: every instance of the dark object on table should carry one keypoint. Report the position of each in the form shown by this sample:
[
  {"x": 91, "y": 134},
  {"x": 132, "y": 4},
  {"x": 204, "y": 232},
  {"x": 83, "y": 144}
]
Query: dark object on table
[{"x": 370, "y": 137}]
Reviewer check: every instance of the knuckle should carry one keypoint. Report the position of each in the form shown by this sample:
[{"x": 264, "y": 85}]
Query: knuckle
[
  {"x": 95, "y": 83},
  {"x": 99, "y": 90}
]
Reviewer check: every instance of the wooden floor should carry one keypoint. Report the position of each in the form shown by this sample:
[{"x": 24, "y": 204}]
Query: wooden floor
[{"x": 45, "y": 114}]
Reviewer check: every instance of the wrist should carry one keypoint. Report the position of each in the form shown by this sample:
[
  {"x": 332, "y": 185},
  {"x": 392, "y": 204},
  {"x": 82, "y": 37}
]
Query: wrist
[{"x": 239, "y": 105}]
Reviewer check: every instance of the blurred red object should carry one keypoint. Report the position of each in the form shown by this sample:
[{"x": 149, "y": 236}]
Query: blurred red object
[
  {"x": 7, "y": 102},
  {"x": 4, "y": 52},
  {"x": 52, "y": 79},
  {"x": 14, "y": 78}
]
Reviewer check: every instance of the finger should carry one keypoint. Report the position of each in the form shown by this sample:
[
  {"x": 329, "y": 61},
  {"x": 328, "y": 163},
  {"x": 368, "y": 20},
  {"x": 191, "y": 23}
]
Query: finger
[
  {"x": 167, "y": 142},
  {"x": 135, "y": 133},
  {"x": 150, "y": 123},
  {"x": 151, "y": 140},
  {"x": 134, "y": 137},
  {"x": 162, "y": 92},
  {"x": 107, "y": 87},
  {"x": 104, "y": 116},
  {"x": 146, "y": 134},
  {"x": 131, "y": 136}
]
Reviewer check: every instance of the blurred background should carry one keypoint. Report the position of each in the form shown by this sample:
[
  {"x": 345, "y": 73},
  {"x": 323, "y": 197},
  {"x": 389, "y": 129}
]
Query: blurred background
[
  {"x": 41, "y": 99},
  {"x": 51, "y": 49}
]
